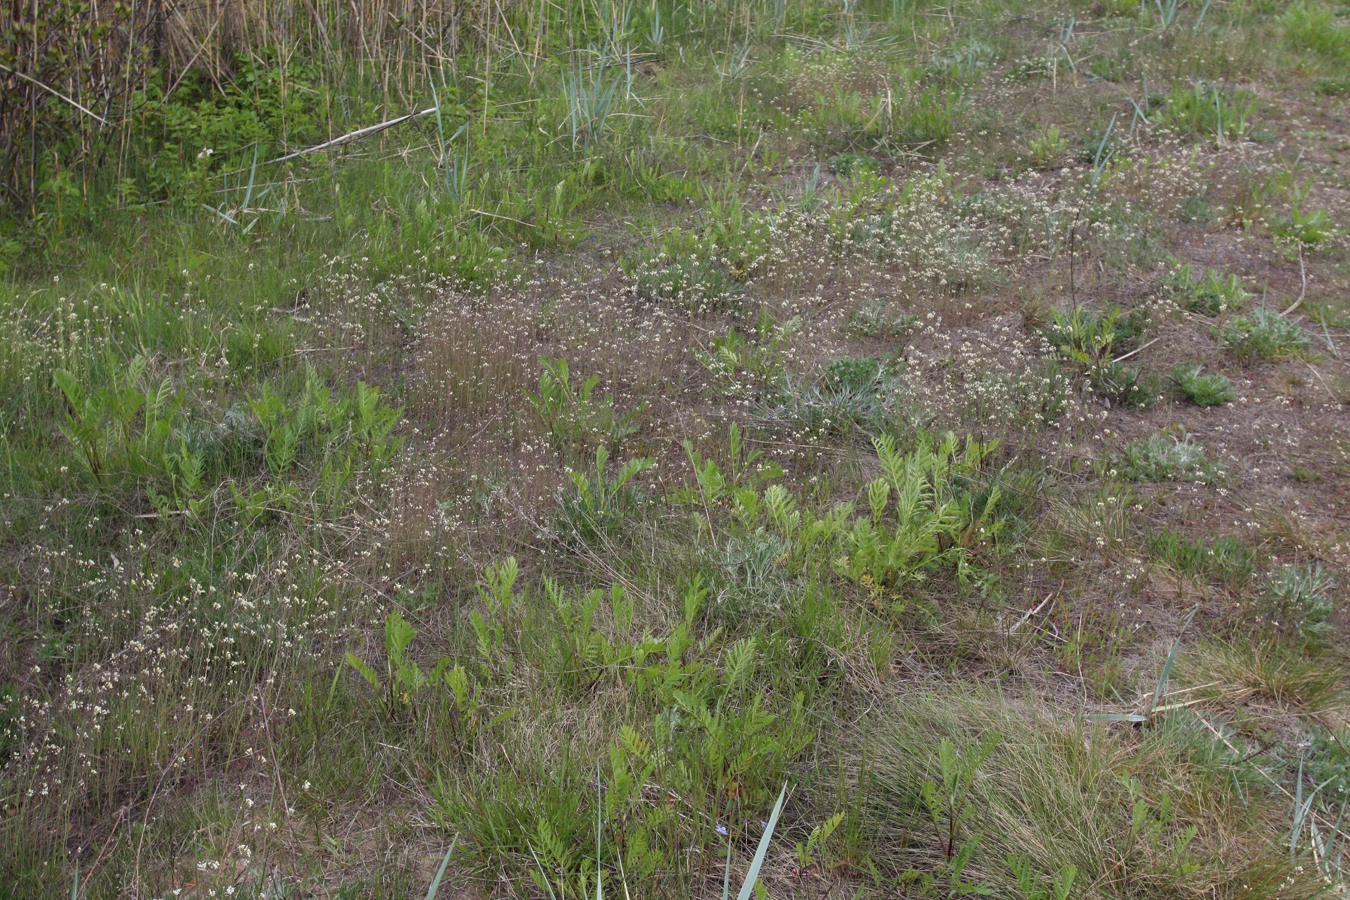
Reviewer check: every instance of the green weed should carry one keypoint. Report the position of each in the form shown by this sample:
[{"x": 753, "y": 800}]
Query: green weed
[
  {"x": 600, "y": 502},
  {"x": 1048, "y": 147},
  {"x": 1202, "y": 390},
  {"x": 405, "y": 686},
  {"x": 1089, "y": 340},
  {"x": 1311, "y": 26},
  {"x": 576, "y": 420},
  {"x": 1263, "y": 334},
  {"x": 745, "y": 369},
  {"x": 1298, "y": 600},
  {"x": 1209, "y": 111},
  {"x": 1225, "y": 559},
  {"x": 1205, "y": 291},
  {"x": 1163, "y": 457}
]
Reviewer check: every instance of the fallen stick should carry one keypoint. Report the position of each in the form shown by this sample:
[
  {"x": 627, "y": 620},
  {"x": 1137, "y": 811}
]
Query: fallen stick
[
  {"x": 352, "y": 136},
  {"x": 1126, "y": 356}
]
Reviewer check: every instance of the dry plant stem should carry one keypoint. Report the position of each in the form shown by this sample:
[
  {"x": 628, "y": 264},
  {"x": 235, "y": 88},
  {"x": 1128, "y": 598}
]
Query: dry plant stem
[
  {"x": 1303, "y": 286},
  {"x": 55, "y": 93},
  {"x": 348, "y": 137},
  {"x": 1140, "y": 349}
]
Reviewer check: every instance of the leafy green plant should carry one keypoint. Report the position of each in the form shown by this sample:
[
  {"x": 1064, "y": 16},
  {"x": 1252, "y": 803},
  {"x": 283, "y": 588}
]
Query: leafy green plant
[
  {"x": 1154, "y": 826},
  {"x": 736, "y": 235},
  {"x": 576, "y": 419},
  {"x": 946, "y": 804},
  {"x": 946, "y": 799},
  {"x": 1304, "y": 229},
  {"x": 1298, "y": 600},
  {"x": 582, "y": 653},
  {"x": 600, "y": 501},
  {"x": 405, "y": 684},
  {"x": 1123, "y": 384},
  {"x": 497, "y": 590},
  {"x": 745, "y": 369},
  {"x": 105, "y": 424},
  {"x": 1089, "y": 340},
  {"x": 717, "y": 744},
  {"x": 922, "y": 516},
  {"x": 807, "y": 851},
  {"x": 717, "y": 487},
  {"x": 1164, "y": 457},
  {"x": 1207, "y": 292},
  {"x": 1263, "y": 334},
  {"x": 1048, "y": 147},
  {"x": 1202, "y": 390},
  {"x": 1032, "y": 885},
  {"x": 928, "y": 120}
]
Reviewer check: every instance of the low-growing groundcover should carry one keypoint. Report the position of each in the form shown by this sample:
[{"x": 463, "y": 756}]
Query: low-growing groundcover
[{"x": 709, "y": 449}]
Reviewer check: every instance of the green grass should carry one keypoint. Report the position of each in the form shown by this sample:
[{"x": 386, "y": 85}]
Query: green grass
[
  {"x": 1310, "y": 26},
  {"x": 1209, "y": 111},
  {"x": 1225, "y": 559},
  {"x": 686, "y": 459}
]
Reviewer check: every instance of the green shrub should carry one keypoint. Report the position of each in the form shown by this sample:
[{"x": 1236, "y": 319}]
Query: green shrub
[
  {"x": 1263, "y": 334},
  {"x": 1164, "y": 457},
  {"x": 1202, "y": 390},
  {"x": 847, "y": 165},
  {"x": 1207, "y": 292},
  {"x": 855, "y": 393},
  {"x": 1090, "y": 340},
  {"x": 1298, "y": 600}
]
